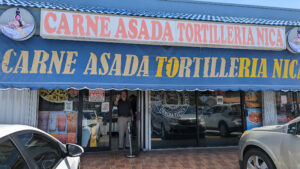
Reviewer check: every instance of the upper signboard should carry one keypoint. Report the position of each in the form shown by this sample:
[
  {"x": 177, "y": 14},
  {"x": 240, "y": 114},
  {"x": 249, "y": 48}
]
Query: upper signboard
[{"x": 143, "y": 30}]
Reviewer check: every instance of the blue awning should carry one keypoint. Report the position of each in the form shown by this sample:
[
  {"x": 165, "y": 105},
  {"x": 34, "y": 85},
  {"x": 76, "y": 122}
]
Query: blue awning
[
  {"x": 41, "y": 63},
  {"x": 89, "y": 7}
]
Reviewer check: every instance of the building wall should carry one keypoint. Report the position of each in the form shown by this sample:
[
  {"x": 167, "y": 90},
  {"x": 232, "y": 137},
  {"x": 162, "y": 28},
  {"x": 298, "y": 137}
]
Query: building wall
[{"x": 18, "y": 106}]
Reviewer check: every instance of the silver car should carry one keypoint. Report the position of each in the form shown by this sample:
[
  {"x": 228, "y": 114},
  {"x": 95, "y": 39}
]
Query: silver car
[{"x": 271, "y": 147}]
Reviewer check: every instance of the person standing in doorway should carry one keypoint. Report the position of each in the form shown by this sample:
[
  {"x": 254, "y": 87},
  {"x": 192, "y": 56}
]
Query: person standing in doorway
[
  {"x": 125, "y": 114},
  {"x": 133, "y": 101}
]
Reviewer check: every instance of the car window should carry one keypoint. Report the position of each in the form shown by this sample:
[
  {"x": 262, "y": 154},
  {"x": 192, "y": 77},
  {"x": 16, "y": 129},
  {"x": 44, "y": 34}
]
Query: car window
[
  {"x": 45, "y": 152},
  {"x": 219, "y": 109},
  {"x": 10, "y": 157},
  {"x": 235, "y": 110}
]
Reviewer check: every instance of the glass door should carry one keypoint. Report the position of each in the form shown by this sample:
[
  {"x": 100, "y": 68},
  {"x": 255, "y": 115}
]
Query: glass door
[
  {"x": 95, "y": 120},
  {"x": 132, "y": 96}
]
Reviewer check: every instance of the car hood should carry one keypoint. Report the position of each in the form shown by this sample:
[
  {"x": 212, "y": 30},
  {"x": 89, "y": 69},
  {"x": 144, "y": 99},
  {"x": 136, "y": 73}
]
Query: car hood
[{"x": 275, "y": 128}]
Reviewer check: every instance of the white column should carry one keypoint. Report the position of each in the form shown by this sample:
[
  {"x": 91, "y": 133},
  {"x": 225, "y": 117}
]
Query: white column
[{"x": 269, "y": 108}]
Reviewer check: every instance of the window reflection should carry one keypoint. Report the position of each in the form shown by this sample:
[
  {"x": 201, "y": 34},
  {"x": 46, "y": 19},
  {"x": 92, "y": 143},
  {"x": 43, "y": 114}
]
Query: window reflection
[
  {"x": 10, "y": 157},
  {"x": 175, "y": 123},
  {"x": 221, "y": 112},
  {"x": 223, "y": 119},
  {"x": 45, "y": 153},
  {"x": 173, "y": 119},
  {"x": 287, "y": 105}
]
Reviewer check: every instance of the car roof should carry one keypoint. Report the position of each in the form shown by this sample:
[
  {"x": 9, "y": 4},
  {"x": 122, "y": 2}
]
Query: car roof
[{"x": 7, "y": 129}]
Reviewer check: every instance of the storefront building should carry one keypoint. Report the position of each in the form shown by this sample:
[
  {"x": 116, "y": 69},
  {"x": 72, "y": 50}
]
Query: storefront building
[{"x": 193, "y": 80}]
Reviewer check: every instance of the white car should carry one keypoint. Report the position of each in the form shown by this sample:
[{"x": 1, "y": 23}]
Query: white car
[
  {"x": 271, "y": 147},
  {"x": 25, "y": 147},
  {"x": 224, "y": 118}
]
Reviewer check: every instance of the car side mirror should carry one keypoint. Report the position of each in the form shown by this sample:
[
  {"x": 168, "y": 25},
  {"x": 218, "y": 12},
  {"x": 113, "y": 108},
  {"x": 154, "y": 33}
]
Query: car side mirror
[
  {"x": 74, "y": 150},
  {"x": 292, "y": 129}
]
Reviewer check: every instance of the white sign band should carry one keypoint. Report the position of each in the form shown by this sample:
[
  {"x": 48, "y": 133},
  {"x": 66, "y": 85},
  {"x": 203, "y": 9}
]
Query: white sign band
[{"x": 142, "y": 30}]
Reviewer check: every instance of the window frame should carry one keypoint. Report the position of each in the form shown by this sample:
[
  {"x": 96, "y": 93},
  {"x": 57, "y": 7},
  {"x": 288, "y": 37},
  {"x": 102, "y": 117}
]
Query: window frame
[
  {"x": 23, "y": 154},
  {"x": 63, "y": 150}
]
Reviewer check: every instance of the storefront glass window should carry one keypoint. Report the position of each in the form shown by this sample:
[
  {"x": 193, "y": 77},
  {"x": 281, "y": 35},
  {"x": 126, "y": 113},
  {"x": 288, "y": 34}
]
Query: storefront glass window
[
  {"x": 61, "y": 110},
  {"x": 173, "y": 119},
  {"x": 58, "y": 113},
  {"x": 220, "y": 118},
  {"x": 297, "y": 104},
  {"x": 175, "y": 122},
  {"x": 287, "y": 107}
]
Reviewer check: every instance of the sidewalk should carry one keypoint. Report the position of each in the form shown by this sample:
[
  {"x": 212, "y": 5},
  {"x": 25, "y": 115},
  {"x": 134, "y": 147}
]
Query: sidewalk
[{"x": 166, "y": 159}]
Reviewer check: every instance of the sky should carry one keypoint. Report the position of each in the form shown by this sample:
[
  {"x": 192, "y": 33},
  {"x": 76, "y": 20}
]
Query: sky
[{"x": 291, "y": 4}]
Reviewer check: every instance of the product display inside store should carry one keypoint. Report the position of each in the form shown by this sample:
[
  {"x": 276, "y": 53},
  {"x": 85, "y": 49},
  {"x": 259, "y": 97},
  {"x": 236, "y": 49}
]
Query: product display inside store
[
  {"x": 253, "y": 105},
  {"x": 58, "y": 114},
  {"x": 85, "y": 117},
  {"x": 95, "y": 119}
]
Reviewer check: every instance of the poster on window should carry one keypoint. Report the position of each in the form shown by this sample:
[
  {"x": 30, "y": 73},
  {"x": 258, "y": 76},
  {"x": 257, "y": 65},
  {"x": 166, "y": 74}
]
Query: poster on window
[
  {"x": 96, "y": 95},
  {"x": 68, "y": 105},
  {"x": 220, "y": 100},
  {"x": 61, "y": 125},
  {"x": 283, "y": 99},
  {"x": 254, "y": 118},
  {"x": 105, "y": 107}
]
